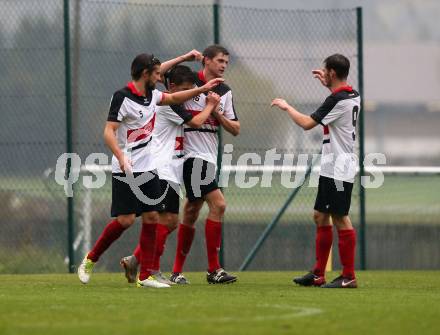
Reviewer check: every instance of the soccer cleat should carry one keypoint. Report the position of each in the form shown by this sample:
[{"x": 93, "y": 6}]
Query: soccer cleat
[
  {"x": 85, "y": 270},
  {"x": 161, "y": 278},
  {"x": 178, "y": 278},
  {"x": 130, "y": 266},
  {"x": 310, "y": 279},
  {"x": 342, "y": 282},
  {"x": 151, "y": 282},
  {"x": 220, "y": 276}
]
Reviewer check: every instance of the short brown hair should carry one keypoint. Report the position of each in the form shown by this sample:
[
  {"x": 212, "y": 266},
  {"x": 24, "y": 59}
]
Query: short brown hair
[
  {"x": 213, "y": 50},
  {"x": 340, "y": 64}
]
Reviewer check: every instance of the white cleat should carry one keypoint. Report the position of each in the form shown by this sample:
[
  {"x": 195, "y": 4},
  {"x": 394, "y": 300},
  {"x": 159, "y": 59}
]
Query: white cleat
[
  {"x": 85, "y": 270},
  {"x": 151, "y": 282},
  {"x": 161, "y": 278}
]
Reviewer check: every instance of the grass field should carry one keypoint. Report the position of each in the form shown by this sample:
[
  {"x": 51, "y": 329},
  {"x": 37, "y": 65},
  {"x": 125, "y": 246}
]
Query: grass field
[{"x": 260, "y": 303}]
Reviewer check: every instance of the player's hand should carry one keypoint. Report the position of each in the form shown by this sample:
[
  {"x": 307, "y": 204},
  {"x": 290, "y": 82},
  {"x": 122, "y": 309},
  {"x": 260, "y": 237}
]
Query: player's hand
[
  {"x": 280, "y": 103},
  {"x": 319, "y": 74},
  {"x": 213, "y": 99},
  {"x": 193, "y": 55},
  {"x": 211, "y": 84},
  {"x": 125, "y": 164}
]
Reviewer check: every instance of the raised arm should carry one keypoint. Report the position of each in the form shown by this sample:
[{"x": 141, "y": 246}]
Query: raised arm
[
  {"x": 302, "y": 120},
  {"x": 182, "y": 96},
  {"x": 193, "y": 55}
]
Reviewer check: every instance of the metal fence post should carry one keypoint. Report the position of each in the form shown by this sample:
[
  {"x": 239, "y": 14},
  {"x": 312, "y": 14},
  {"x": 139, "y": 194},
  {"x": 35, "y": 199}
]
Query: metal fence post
[
  {"x": 216, "y": 33},
  {"x": 362, "y": 227},
  {"x": 70, "y": 200}
]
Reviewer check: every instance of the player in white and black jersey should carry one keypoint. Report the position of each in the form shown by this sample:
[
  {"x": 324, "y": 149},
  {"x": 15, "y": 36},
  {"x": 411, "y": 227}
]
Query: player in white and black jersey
[
  {"x": 127, "y": 133},
  {"x": 167, "y": 149},
  {"x": 337, "y": 115},
  {"x": 199, "y": 169}
]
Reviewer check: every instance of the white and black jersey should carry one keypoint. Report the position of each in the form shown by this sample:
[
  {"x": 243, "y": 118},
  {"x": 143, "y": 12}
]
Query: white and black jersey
[
  {"x": 136, "y": 115},
  {"x": 203, "y": 142},
  {"x": 338, "y": 114},
  {"x": 167, "y": 143}
]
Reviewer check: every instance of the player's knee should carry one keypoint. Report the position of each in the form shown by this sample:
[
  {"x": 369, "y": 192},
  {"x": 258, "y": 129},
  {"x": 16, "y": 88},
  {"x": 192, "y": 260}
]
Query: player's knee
[
  {"x": 126, "y": 220},
  {"x": 172, "y": 221},
  {"x": 320, "y": 219},
  {"x": 220, "y": 207},
  {"x": 342, "y": 222},
  {"x": 191, "y": 212},
  {"x": 150, "y": 217}
]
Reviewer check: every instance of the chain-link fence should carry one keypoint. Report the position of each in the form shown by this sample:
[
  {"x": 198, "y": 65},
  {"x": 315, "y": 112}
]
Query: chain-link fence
[{"x": 272, "y": 54}]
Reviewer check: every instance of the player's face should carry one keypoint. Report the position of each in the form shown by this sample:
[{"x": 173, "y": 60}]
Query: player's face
[
  {"x": 182, "y": 87},
  {"x": 217, "y": 65},
  {"x": 152, "y": 78}
]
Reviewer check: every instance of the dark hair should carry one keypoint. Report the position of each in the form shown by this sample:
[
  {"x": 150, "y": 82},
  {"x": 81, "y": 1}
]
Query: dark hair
[
  {"x": 213, "y": 50},
  {"x": 178, "y": 75},
  {"x": 340, "y": 64},
  {"x": 143, "y": 62}
]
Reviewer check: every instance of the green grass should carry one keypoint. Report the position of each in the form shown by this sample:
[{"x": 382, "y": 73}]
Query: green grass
[{"x": 260, "y": 303}]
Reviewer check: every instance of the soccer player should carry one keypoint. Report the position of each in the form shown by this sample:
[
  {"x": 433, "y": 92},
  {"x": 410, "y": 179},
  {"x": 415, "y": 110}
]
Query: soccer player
[
  {"x": 167, "y": 147},
  {"x": 199, "y": 169},
  {"x": 128, "y": 135},
  {"x": 337, "y": 115}
]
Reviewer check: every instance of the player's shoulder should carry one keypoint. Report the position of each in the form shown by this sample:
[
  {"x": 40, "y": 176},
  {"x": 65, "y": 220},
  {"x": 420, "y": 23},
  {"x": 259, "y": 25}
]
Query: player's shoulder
[
  {"x": 123, "y": 93},
  {"x": 344, "y": 94},
  {"x": 177, "y": 108},
  {"x": 222, "y": 89}
]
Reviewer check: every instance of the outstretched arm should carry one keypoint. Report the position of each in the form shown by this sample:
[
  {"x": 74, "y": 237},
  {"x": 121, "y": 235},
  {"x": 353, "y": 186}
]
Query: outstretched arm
[
  {"x": 302, "y": 120},
  {"x": 182, "y": 96},
  {"x": 193, "y": 55}
]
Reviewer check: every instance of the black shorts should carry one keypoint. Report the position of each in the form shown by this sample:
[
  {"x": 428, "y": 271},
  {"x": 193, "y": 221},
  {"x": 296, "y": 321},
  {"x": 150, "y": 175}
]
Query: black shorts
[
  {"x": 330, "y": 200},
  {"x": 125, "y": 201},
  {"x": 171, "y": 202},
  {"x": 199, "y": 178}
]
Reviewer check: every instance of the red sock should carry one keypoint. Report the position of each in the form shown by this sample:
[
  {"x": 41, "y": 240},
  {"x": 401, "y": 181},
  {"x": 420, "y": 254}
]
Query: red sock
[
  {"x": 148, "y": 248},
  {"x": 110, "y": 233},
  {"x": 185, "y": 237},
  {"x": 137, "y": 253},
  {"x": 162, "y": 233},
  {"x": 347, "y": 250},
  {"x": 213, "y": 236},
  {"x": 324, "y": 240}
]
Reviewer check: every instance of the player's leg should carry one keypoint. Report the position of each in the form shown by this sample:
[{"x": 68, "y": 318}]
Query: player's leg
[
  {"x": 148, "y": 238},
  {"x": 185, "y": 237},
  {"x": 167, "y": 224},
  {"x": 186, "y": 230},
  {"x": 213, "y": 235},
  {"x": 346, "y": 238},
  {"x": 347, "y": 251},
  {"x": 324, "y": 234},
  {"x": 123, "y": 209},
  {"x": 168, "y": 220}
]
